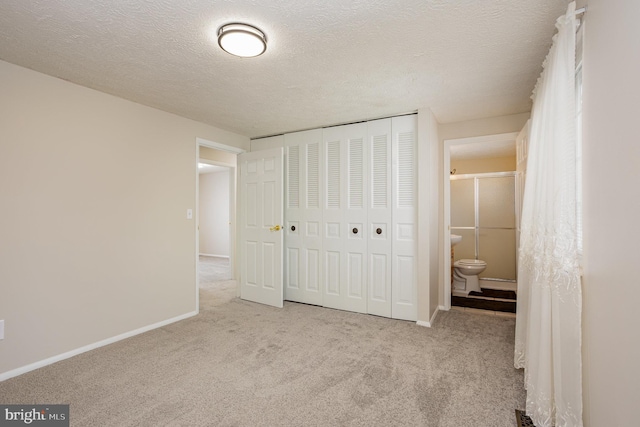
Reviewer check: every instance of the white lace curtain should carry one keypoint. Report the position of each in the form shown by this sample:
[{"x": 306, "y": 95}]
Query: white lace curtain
[{"x": 548, "y": 320}]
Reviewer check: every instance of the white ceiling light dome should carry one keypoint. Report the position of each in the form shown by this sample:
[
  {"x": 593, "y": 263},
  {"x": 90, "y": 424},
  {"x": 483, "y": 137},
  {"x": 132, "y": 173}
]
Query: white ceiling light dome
[{"x": 242, "y": 40}]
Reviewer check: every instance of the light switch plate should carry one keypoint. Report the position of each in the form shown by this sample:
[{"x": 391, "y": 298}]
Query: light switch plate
[
  {"x": 189, "y": 213},
  {"x": 1, "y": 329}
]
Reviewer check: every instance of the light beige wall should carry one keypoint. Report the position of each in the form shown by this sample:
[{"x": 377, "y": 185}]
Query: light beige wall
[
  {"x": 480, "y": 127},
  {"x": 95, "y": 238},
  {"x": 611, "y": 173},
  {"x": 466, "y": 129},
  {"x": 213, "y": 217},
  {"x": 268, "y": 142},
  {"x": 429, "y": 169},
  {"x": 428, "y": 255},
  {"x": 484, "y": 165},
  {"x": 220, "y": 156}
]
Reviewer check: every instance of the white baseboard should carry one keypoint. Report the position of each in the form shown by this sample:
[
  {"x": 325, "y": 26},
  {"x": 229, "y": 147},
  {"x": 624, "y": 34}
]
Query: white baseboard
[
  {"x": 68, "y": 354},
  {"x": 215, "y": 256},
  {"x": 430, "y": 322}
]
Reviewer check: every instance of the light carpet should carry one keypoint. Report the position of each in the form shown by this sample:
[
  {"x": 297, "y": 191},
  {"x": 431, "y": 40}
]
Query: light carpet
[
  {"x": 244, "y": 364},
  {"x": 213, "y": 269}
]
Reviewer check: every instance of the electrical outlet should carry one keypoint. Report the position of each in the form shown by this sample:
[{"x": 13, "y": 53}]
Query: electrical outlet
[{"x": 1, "y": 329}]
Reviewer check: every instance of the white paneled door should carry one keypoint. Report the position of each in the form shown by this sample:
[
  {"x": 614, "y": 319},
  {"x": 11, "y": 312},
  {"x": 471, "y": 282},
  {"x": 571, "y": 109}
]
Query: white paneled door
[{"x": 261, "y": 226}]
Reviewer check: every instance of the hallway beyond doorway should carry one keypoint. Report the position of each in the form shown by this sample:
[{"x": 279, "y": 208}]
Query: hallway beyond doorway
[{"x": 214, "y": 281}]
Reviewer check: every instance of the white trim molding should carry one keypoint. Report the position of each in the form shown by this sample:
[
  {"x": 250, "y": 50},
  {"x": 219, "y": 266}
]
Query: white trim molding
[
  {"x": 218, "y": 146},
  {"x": 215, "y": 256},
  {"x": 433, "y": 318},
  {"x": 51, "y": 360}
]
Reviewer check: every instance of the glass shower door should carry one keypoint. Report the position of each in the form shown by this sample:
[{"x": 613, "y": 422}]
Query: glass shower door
[
  {"x": 483, "y": 212},
  {"x": 463, "y": 217},
  {"x": 497, "y": 226}
]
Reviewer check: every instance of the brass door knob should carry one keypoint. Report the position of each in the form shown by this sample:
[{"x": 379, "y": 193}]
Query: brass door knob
[{"x": 275, "y": 228}]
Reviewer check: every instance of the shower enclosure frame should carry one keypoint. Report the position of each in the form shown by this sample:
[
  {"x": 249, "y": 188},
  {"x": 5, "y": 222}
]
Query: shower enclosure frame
[{"x": 476, "y": 207}]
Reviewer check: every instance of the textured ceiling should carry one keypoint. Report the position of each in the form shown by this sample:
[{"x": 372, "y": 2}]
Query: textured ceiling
[{"x": 327, "y": 62}]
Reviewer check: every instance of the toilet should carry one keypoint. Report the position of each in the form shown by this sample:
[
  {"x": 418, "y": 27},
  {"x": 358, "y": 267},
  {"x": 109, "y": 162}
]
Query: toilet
[{"x": 465, "y": 275}]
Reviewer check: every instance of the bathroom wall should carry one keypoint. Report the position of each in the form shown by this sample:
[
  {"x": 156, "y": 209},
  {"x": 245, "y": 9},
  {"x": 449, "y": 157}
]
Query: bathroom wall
[
  {"x": 95, "y": 242},
  {"x": 218, "y": 156},
  {"x": 483, "y": 165},
  {"x": 213, "y": 216}
]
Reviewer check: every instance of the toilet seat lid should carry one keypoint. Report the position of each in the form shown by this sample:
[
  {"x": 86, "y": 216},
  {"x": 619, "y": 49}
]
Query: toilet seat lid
[{"x": 471, "y": 262}]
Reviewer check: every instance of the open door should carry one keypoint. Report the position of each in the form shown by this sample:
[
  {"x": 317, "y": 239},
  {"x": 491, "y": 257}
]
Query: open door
[{"x": 261, "y": 233}]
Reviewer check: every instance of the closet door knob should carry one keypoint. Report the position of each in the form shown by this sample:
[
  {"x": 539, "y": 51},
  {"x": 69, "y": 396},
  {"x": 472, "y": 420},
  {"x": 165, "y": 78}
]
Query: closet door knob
[
  {"x": 293, "y": 228},
  {"x": 379, "y": 230},
  {"x": 355, "y": 231}
]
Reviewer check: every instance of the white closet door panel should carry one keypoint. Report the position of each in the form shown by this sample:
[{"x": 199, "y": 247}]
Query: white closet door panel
[
  {"x": 312, "y": 276},
  {"x": 406, "y": 277},
  {"x": 292, "y": 216},
  {"x": 332, "y": 275},
  {"x": 345, "y": 217},
  {"x": 292, "y": 270},
  {"x": 312, "y": 238},
  {"x": 378, "y": 272},
  {"x": 334, "y": 228},
  {"x": 304, "y": 216},
  {"x": 379, "y": 227},
  {"x": 356, "y": 285},
  {"x": 404, "y": 212}
]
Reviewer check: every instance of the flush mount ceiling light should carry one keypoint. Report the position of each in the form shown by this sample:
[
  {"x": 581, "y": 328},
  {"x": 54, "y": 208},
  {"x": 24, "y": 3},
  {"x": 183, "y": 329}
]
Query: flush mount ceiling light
[{"x": 242, "y": 40}]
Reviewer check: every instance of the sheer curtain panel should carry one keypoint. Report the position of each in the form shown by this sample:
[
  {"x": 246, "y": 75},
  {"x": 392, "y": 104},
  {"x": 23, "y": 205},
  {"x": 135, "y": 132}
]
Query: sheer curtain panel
[{"x": 548, "y": 325}]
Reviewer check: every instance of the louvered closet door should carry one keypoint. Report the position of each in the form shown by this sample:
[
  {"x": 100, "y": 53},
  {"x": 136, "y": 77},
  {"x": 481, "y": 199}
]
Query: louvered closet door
[
  {"x": 303, "y": 217},
  {"x": 345, "y": 218},
  {"x": 404, "y": 196},
  {"x": 379, "y": 225}
]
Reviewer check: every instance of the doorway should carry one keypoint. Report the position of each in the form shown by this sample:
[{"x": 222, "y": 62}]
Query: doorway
[
  {"x": 214, "y": 225},
  {"x": 470, "y": 160},
  {"x": 215, "y": 252}
]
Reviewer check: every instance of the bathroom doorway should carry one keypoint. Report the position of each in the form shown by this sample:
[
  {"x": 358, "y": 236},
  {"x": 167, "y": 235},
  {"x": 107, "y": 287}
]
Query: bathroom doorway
[{"x": 480, "y": 207}]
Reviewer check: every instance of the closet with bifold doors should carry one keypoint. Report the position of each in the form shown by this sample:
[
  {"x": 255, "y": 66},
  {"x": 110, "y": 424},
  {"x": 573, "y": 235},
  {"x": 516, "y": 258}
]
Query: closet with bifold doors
[{"x": 350, "y": 215}]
